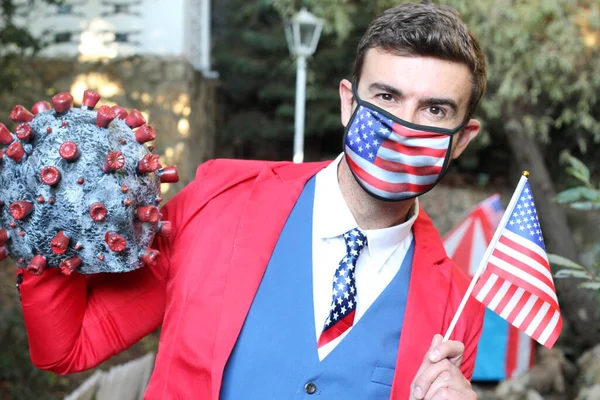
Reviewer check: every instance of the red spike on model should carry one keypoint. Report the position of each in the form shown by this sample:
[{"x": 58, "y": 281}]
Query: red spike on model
[
  {"x": 90, "y": 99},
  {"x": 3, "y": 236},
  {"x": 115, "y": 242},
  {"x": 115, "y": 160},
  {"x": 23, "y": 132},
  {"x": 69, "y": 151},
  {"x": 20, "y": 209},
  {"x": 148, "y": 163},
  {"x": 165, "y": 228},
  {"x": 60, "y": 243},
  {"x": 37, "y": 265},
  {"x": 168, "y": 174},
  {"x": 68, "y": 266},
  {"x": 145, "y": 133},
  {"x": 50, "y": 176},
  {"x": 98, "y": 212},
  {"x": 135, "y": 119},
  {"x": 62, "y": 102},
  {"x": 150, "y": 256},
  {"x": 5, "y": 136},
  {"x": 41, "y": 106},
  {"x": 148, "y": 214},
  {"x": 15, "y": 151},
  {"x": 21, "y": 114},
  {"x": 121, "y": 112},
  {"x": 105, "y": 116}
]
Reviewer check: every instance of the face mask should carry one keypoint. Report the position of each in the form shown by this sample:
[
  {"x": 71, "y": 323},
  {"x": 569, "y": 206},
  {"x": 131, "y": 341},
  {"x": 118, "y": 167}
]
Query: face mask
[{"x": 393, "y": 159}]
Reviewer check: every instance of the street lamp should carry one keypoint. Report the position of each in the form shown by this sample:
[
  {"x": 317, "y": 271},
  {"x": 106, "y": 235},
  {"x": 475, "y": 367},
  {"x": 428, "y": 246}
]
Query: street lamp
[{"x": 302, "y": 33}]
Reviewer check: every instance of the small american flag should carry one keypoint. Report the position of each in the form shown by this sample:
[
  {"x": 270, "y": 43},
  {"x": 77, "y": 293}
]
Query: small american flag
[
  {"x": 391, "y": 159},
  {"x": 517, "y": 282}
]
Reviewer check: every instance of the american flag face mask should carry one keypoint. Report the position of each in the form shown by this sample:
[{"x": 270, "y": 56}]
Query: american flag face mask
[{"x": 393, "y": 159}]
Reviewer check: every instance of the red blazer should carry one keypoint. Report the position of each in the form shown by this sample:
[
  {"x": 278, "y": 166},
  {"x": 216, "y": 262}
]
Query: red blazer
[{"x": 226, "y": 224}]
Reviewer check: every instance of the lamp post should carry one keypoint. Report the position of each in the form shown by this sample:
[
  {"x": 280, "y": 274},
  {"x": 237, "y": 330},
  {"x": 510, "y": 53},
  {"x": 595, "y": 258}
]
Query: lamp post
[{"x": 302, "y": 33}]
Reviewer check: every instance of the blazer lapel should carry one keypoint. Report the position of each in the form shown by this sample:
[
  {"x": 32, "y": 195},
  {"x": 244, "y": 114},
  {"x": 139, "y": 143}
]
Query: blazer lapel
[
  {"x": 426, "y": 305},
  {"x": 266, "y": 211}
]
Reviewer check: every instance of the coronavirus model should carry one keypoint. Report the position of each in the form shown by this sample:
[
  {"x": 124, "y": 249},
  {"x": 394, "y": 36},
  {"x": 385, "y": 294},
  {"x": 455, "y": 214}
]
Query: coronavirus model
[{"x": 80, "y": 189}]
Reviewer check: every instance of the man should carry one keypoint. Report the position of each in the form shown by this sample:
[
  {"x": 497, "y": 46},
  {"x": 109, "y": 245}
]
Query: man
[{"x": 244, "y": 289}]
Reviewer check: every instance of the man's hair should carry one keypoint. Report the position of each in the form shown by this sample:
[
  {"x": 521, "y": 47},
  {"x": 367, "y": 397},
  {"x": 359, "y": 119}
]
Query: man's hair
[{"x": 426, "y": 30}]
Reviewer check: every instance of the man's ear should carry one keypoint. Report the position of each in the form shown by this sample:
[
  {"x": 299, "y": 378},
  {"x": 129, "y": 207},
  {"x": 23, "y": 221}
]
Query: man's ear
[
  {"x": 346, "y": 101},
  {"x": 469, "y": 132}
]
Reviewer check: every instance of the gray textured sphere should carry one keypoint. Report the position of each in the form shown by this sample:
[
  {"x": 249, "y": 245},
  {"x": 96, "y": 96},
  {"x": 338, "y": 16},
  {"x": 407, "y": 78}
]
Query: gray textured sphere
[{"x": 63, "y": 208}]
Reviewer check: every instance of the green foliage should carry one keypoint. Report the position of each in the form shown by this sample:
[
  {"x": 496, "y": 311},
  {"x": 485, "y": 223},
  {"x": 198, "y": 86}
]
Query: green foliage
[
  {"x": 15, "y": 41},
  {"x": 585, "y": 197},
  {"x": 259, "y": 74},
  {"x": 18, "y": 378},
  {"x": 544, "y": 78}
]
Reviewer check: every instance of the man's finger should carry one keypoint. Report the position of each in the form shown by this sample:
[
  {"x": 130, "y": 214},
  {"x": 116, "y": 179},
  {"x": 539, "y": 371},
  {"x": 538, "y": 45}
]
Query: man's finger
[
  {"x": 451, "y": 350},
  {"x": 448, "y": 379},
  {"x": 429, "y": 375}
]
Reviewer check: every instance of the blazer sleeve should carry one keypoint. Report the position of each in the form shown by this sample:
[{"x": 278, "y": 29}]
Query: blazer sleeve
[
  {"x": 471, "y": 340},
  {"x": 76, "y": 322}
]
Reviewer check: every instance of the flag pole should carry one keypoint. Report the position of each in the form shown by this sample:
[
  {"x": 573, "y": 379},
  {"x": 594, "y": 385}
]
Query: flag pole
[{"x": 488, "y": 252}]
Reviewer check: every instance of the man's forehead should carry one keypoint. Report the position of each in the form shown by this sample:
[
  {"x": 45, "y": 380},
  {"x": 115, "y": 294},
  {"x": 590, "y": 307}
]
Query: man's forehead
[{"x": 415, "y": 74}]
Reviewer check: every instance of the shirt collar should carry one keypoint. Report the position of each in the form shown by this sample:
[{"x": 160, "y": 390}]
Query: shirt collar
[
  {"x": 383, "y": 242},
  {"x": 335, "y": 218}
]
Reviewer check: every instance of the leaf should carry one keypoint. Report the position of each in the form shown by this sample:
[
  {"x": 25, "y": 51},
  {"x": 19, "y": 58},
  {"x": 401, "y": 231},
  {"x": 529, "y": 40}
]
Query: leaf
[
  {"x": 575, "y": 173},
  {"x": 585, "y": 205},
  {"x": 569, "y": 195},
  {"x": 570, "y": 273},
  {"x": 578, "y": 193},
  {"x": 564, "y": 262},
  {"x": 577, "y": 169},
  {"x": 590, "y": 285}
]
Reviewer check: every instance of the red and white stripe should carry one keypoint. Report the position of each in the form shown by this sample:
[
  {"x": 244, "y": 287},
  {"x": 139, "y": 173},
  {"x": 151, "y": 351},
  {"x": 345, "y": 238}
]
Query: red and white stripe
[
  {"x": 408, "y": 162},
  {"x": 517, "y": 284}
]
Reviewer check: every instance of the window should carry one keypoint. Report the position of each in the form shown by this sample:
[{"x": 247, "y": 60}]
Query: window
[
  {"x": 62, "y": 37},
  {"x": 121, "y": 8},
  {"x": 121, "y": 37},
  {"x": 65, "y": 9}
]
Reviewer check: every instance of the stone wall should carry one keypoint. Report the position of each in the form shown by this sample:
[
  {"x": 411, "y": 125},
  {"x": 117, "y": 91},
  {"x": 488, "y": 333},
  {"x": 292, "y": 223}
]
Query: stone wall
[{"x": 176, "y": 100}]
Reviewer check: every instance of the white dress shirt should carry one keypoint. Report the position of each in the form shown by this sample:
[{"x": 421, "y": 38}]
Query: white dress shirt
[{"x": 377, "y": 263}]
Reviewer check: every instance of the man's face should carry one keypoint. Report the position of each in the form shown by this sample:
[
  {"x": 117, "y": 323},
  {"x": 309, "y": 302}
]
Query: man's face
[{"x": 422, "y": 90}]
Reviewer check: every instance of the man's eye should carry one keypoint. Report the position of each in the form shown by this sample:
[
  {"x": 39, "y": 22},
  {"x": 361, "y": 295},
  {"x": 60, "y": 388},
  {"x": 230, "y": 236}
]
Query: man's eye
[
  {"x": 437, "y": 111},
  {"x": 386, "y": 97}
]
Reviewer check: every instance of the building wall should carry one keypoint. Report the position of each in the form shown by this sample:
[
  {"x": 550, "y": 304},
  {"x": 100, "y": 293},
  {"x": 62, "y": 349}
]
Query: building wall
[{"x": 93, "y": 30}]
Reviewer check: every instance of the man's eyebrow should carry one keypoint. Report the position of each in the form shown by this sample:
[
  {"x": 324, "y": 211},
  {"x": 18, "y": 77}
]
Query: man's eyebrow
[
  {"x": 377, "y": 86},
  {"x": 433, "y": 101},
  {"x": 430, "y": 101}
]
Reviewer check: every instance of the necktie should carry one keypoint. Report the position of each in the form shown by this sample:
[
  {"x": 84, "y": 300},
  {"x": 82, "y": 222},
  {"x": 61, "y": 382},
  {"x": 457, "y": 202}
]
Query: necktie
[{"x": 343, "y": 305}]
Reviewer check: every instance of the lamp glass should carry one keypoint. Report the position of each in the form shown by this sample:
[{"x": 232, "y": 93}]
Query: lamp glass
[{"x": 302, "y": 33}]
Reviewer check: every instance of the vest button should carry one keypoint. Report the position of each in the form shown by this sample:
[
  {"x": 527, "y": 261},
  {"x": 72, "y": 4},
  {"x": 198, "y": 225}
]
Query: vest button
[{"x": 310, "y": 388}]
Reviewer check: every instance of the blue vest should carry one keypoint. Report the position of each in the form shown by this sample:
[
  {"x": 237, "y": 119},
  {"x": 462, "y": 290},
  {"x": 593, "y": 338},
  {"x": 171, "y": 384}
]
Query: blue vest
[{"x": 275, "y": 356}]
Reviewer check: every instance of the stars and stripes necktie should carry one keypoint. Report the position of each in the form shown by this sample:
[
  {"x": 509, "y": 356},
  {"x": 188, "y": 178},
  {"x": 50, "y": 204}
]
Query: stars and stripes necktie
[{"x": 343, "y": 305}]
